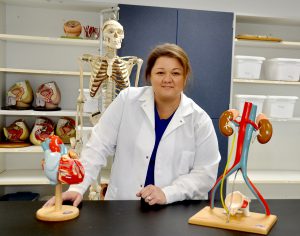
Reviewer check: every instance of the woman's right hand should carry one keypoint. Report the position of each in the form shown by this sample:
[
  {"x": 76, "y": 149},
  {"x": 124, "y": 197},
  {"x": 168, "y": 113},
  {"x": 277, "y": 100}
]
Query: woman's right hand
[{"x": 73, "y": 196}]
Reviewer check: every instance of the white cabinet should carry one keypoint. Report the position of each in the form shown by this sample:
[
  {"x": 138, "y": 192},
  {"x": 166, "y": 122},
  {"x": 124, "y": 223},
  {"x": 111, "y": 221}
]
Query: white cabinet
[
  {"x": 273, "y": 167},
  {"x": 31, "y": 49}
]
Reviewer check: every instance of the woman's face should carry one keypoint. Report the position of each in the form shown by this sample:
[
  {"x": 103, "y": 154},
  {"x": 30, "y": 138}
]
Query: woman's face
[{"x": 167, "y": 79}]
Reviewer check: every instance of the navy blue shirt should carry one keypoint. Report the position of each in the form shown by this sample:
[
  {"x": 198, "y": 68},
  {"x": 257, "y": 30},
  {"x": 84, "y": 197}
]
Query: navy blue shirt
[{"x": 160, "y": 127}]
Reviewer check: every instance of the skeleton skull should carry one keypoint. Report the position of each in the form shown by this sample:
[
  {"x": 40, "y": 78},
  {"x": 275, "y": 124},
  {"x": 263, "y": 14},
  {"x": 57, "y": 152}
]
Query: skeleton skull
[{"x": 113, "y": 34}]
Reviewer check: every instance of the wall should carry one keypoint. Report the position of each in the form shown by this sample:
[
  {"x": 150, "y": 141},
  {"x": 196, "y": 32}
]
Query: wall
[
  {"x": 2, "y": 85},
  {"x": 269, "y": 8},
  {"x": 2, "y": 55}
]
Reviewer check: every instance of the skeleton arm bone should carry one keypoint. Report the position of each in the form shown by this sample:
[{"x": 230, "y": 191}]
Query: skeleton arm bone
[
  {"x": 91, "y": 59},
  {"x": 131, "y": 61},
  {"x": 139, "y": 66}
]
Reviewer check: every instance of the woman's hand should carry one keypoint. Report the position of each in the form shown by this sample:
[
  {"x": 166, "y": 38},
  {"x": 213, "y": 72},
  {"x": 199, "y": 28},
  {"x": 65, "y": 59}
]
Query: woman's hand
[
  {"x": 152, "y": 195},
  {"x": 73, "y": 196}
]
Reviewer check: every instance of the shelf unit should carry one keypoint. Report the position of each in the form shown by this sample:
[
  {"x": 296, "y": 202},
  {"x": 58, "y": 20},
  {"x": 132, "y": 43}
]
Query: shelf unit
[
  {"x": 273, "y": 167},
  {"x": 49, "y": 40},
  {"x": 34, "y": 50},
  {"x": 42, "y": 72},
  {"x": 264, "y": 44},
  {"x": 35, "y": 177},
  {"x": 260, "y": 81},
  {"x": 282, "y": 184},
  {"x": 40, "y": 113}
]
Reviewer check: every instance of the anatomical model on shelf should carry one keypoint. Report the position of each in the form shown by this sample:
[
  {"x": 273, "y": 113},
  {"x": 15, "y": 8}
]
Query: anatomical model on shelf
[
  {"x": 42, "y": 129},
  {"x": 47, "y": 97},
  {"x": 236, "y": 203},
  {"x": 65, "y": 129},
  {"x": 19, "y": 96},
  {"x": 72, "y": 29},
  {"x": 109, "y": 75},
  {"x": 61, "y": 167},
  {"x": 16, "y": 135}
]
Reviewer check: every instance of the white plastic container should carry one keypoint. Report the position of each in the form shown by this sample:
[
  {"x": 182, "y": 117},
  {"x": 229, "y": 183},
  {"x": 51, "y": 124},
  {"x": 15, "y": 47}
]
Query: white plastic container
[
  {"x": 257, "y": 100},
  {"x": 286, "y": 69},
  {"x": 280, "y": 106},
  {"x": 91, "y": 104},
  {"x": 247, "y": 67}
]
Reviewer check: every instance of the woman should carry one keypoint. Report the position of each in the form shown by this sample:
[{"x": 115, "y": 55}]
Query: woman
[{"x": 164, "y": 145}]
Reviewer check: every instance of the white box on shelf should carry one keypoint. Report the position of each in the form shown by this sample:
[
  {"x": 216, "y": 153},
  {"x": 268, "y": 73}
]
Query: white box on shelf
[
  {"x": 280, "y": 106},
  {"x": 247, "y": 67},
  {"x": 286, "y": 69},
  {"x": 90, "y": 104},
  {"x": 257, "y": 100}
]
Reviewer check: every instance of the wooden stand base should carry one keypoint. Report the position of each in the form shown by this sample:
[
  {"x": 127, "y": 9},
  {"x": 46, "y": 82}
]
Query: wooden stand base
[
  {"x": 50, "y": 214},
  {"x": 14, "y": 145},
  {"x": 58, "y": 212},
  {"x": 255, "y": 223}
]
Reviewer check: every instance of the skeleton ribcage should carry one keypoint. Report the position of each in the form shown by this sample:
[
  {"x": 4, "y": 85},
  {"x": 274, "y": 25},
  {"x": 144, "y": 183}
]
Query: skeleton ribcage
[{"x": 101, "y": 71}]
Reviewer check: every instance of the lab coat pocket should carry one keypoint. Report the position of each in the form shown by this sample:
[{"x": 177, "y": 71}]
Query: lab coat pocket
[
  {"x": 186, "y": 162},
  {"x": 111, "y": 193}
]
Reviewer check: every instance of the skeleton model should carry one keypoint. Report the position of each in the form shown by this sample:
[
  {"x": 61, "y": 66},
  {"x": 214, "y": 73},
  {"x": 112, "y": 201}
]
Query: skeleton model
[{"x": 109, "y": 75}]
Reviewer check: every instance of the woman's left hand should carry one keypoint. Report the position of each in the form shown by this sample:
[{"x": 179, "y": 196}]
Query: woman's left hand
[{"x": 152, "y": 195}]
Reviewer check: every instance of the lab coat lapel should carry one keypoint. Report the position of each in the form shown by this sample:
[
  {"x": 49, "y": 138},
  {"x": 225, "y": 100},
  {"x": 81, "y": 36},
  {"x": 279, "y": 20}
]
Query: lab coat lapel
[
  {"x": 148, "y": 105},
  {"x": 183, "y": 110}
]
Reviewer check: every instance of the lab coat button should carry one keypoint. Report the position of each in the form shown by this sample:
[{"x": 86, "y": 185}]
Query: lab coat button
[{"x": 147, "y": 157}]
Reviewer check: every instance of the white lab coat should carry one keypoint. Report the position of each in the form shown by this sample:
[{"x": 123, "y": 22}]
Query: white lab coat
[{"x": 187, "y": 156}]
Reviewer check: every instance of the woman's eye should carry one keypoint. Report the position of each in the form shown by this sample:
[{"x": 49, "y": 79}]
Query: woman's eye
[
  {"x": 176, "y": 74},
  {"x": 160, "y": 73}
]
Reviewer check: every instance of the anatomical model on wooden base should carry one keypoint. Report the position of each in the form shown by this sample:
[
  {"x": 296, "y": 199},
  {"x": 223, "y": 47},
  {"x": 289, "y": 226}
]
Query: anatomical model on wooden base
[
  {"x": 109, "y": 75},
  {"x": 235, "y": 213},
  {"x": 61, "y": 167}
]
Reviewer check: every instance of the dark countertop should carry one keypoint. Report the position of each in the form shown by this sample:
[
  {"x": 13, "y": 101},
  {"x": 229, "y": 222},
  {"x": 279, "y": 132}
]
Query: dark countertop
[{"x": 132, "y": 218}]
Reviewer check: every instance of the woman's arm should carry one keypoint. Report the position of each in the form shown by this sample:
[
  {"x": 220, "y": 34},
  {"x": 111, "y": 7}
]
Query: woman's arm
[{"x": 102, "y": 142}]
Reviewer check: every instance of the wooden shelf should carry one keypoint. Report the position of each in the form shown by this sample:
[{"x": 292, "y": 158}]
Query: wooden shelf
[
  {"x": 40, "y": 113},
  {"x": 35, "y": 177},
  {"x": 43, "y": 72},
  {"x": 259, "y": 81},
  {"x": 266, "y": 44},
  {"x": 268, "y": 176},
  {"x": 49, "y": 40}
]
